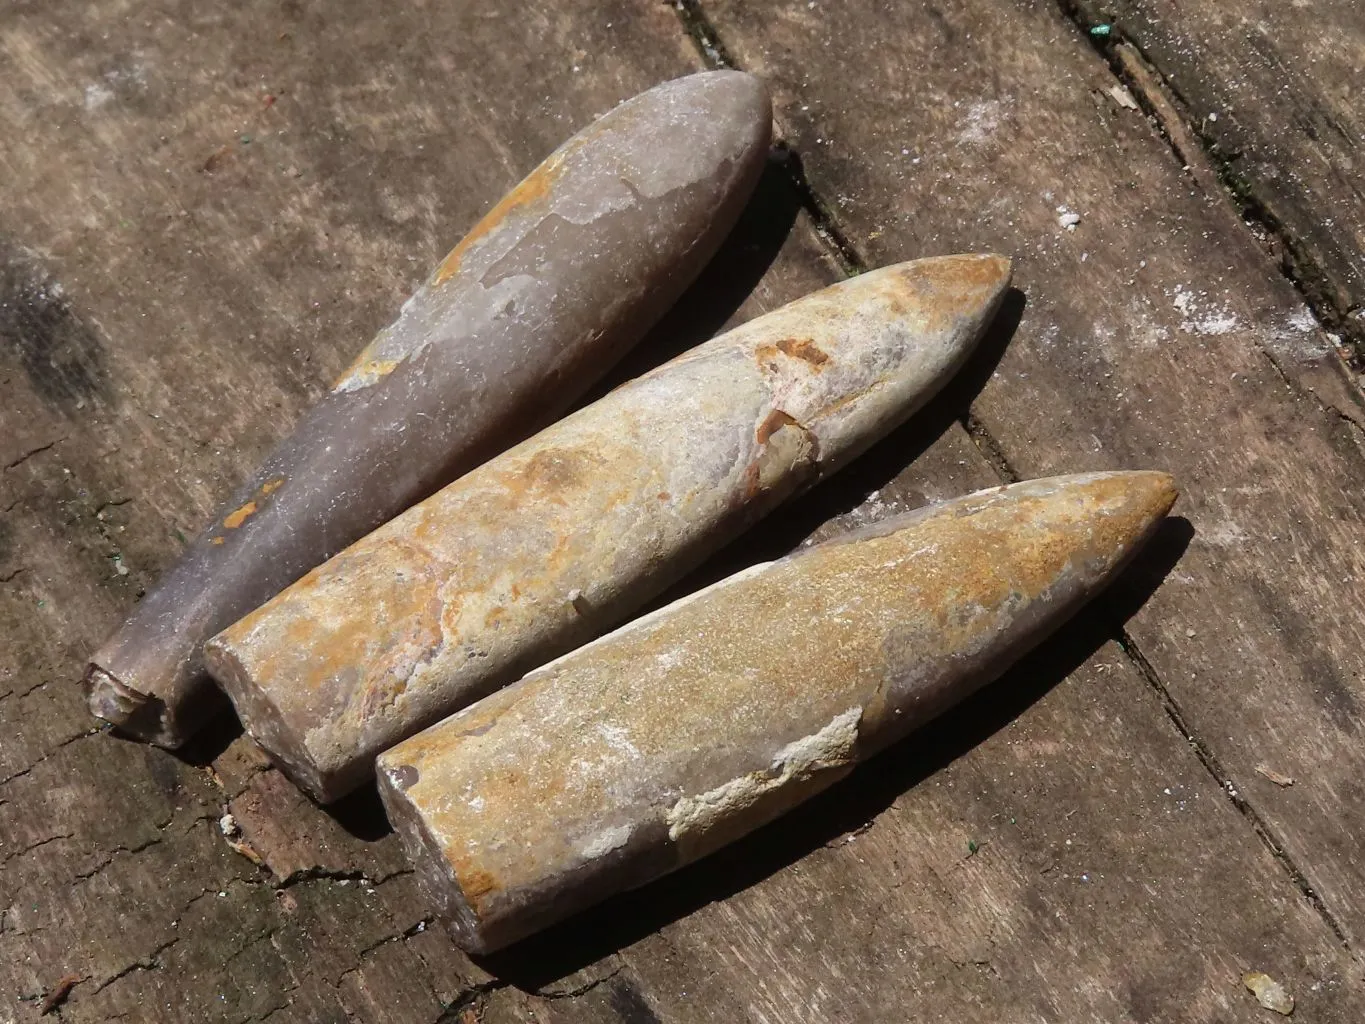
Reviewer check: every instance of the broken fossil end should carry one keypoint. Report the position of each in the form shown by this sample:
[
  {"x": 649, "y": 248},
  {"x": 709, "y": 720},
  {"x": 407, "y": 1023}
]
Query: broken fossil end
[
  {"x": 141, "y": 715},
  {"x": 261, "y": 719},
  {"x": 121, "y": 706},
  {"x": 481, "y": 914},
  {"x": 437, "y": 879}
]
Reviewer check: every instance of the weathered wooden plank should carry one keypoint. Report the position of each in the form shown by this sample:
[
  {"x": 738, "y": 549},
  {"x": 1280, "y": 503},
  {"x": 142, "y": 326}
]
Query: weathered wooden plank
[
  {"x": 792, "y": 936},
  {"x": 1274, "y": 90},
  {"x": 1157, "y": 334},
  {"x": 205, "y": 213}
]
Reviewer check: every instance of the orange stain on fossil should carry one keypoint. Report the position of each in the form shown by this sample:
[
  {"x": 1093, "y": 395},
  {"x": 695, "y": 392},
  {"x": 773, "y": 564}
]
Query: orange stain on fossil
[{"x": 237, "y": 517}]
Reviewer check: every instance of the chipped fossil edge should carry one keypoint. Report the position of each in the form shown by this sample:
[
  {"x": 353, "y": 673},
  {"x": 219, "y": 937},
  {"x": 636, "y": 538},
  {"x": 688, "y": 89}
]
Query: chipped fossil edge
[{"x": 800, "y": 760}]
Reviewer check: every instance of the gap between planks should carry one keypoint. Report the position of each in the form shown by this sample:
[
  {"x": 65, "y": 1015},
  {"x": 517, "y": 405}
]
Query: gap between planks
[
  {"x": 851, "y": 262},
  {"x": 1167, "y": 110},
  {"x": 1166, "y": 106}
]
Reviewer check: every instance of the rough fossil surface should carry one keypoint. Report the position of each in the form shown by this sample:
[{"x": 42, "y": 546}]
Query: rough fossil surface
[
  {"x": 539, "y": 299},
  {"x": 567, "y": 534},
  {"x": 694, "y": 725}
]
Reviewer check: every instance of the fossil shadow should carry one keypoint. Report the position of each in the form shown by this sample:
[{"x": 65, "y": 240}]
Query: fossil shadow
[
  {"x": 213, "y": 739},
  {"x": 851, "y": 803}
]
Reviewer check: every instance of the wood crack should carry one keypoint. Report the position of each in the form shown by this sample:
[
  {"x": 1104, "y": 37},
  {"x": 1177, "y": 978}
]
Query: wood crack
[
  {"x": 713, "y": 51},
  {"x": 321, "y": 874},
  {"x": 1228, "y": 786},
  {"x": 471, "y": 1001},
  {"x": 51, "y": 753},
  {"x": 1165, "y": 103},
  {"x": 579, "y": 990},
  {"x": 120, "y": 851},
  {"x": 151, "y": 962},
  {"x": 262, "y": 1018},
  {"x": 416, "y": 929},
  {"x": 32, "y": 452},
  {"x": 264, "y": 936},
  {"x": 20, "y": 694},
  {"x": 33, "y": 846}
]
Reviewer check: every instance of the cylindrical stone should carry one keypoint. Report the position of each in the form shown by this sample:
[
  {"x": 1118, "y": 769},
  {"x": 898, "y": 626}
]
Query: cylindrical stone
[
  {"x": 566, "y": 535},
  {"x": 694, "y": 725},
  {"x": 555, "y": 284}
]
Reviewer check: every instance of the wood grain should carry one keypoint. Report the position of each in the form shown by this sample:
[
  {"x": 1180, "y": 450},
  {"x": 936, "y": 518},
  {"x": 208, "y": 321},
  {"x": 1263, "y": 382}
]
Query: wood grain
[
  {"x": 1156, "y": 335},
  {"x": 175, "y": 294},
  {"x": 1274, "y": 91}
]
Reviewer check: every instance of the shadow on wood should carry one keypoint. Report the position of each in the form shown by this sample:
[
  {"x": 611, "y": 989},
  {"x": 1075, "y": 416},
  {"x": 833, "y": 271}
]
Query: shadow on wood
[
  {"x": 361, "y": 814},
  {"x": 851, "y": 803},
  {"x": 209, "y": 743}
]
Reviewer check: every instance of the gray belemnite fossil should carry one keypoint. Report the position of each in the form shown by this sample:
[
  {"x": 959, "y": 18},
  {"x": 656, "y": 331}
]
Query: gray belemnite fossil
[
  {"x": 549, "y": 290},
  {"x": 567, "y": 534},
  {"x": 685, "y": 729}
]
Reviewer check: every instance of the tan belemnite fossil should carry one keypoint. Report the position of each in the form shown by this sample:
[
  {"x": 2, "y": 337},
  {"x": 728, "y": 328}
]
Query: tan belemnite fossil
[
  {"x": 567, "y": 534},
  {"x": 687, "y": 728}
]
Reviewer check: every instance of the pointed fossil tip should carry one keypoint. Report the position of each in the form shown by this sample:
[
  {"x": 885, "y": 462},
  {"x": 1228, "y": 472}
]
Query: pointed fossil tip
[
  {"x": 1002, "y": 266},
  {"x": 988, "y": 271},
  {"x": 734, "y": 92},
  {"x": 965, "y": 280},
  {"x": 1156, "y": 490},
  {"x": 728, "y": 78},
  {"x": 1142, "y": 497},
  {"x": 959, "y": 293}
]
